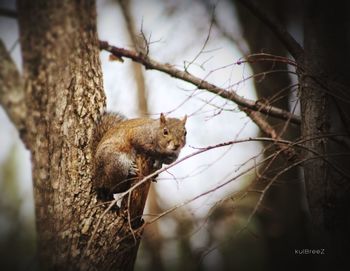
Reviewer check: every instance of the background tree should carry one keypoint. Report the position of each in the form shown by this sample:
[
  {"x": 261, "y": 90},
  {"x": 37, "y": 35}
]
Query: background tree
[
  {"x": 323, "y": 119},
  {"x": 277, "y": 86}
]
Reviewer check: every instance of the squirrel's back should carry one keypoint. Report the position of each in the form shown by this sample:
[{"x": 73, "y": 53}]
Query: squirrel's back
[{"x": 106, "y": 122}]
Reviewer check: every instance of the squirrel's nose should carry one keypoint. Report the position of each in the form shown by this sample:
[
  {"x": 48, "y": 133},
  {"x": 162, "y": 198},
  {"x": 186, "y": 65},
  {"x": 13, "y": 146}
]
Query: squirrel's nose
[
  {"x": 176, "y": 146},
  {"x": 173, "y": 146}
]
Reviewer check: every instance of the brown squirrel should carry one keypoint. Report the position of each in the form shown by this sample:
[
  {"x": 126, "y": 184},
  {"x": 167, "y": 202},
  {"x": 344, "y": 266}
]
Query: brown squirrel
[{"x": 117, "y": 141}]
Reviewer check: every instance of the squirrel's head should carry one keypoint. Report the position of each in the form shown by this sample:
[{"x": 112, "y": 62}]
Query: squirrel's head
[{"x": 171, "y": 137}]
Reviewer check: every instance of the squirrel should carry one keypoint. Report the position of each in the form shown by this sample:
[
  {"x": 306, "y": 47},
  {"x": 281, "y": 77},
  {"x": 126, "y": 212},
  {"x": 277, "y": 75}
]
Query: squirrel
[{"x": 117, "y": 141}]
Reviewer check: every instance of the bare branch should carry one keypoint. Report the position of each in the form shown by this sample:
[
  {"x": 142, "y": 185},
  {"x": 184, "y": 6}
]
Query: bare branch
[
  {"x": 289, "y": 144},
  {"x": 281, "y": 33},
  {"x": 253, "y": 58},
  {"x": 201, "y": 84},
  {"x": 210, "y": 8},
  {"x": 11, "y": 90},
  {"x": 268, "y": 130}
]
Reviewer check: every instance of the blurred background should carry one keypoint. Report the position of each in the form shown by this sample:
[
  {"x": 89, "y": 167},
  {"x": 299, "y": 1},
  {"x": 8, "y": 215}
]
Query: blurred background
[{"x": 216, "y": 227}]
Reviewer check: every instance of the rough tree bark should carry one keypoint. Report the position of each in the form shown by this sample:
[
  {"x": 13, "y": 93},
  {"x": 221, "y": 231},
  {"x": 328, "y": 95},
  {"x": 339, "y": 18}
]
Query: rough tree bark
[
  {"x": 63, "y": 98},
  {"x": 325, "y": 111}
]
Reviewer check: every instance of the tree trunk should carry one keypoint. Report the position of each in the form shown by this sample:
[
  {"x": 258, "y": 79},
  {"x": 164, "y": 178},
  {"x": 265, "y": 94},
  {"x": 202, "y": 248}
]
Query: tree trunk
[
  {"x": 64, "y": 98},
  {"x": 325, "y": 111}
]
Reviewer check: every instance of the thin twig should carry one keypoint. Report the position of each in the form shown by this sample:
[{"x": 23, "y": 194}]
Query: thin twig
[{"x": 210, "y": 8}]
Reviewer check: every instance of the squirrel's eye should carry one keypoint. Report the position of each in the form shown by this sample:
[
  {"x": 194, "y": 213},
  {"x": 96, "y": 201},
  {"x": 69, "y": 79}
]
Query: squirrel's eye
[
  {"x": 165, "y": 131},
  {"x": 185, "y": 133}
]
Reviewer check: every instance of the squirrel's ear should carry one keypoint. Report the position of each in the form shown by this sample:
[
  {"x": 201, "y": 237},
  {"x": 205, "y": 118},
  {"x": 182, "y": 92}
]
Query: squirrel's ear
[
  {"x": 184, "y": 120},
  {"x": 162, "y": 119}
]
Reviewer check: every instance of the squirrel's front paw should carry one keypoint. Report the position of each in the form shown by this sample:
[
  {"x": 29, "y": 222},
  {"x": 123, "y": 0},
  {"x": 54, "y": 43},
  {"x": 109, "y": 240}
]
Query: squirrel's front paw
[{"x": 157, "y": 164}]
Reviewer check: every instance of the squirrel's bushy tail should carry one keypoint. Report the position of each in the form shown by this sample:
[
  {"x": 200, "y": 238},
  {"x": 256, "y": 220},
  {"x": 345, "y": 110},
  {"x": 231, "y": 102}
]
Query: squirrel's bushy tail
[{"x": 107, "y": 121}]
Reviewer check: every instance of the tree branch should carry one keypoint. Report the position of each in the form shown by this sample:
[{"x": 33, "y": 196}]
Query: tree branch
[
  {"x": 269, "y": 131},
  {"x": 281, "y": 33},
  {"x": 11, "y": 90},
  {"x": 243, "y": 103}
]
